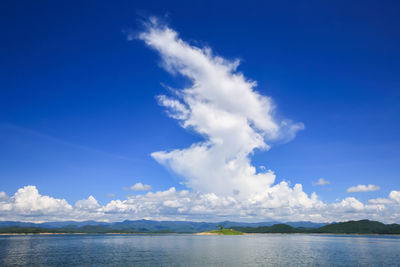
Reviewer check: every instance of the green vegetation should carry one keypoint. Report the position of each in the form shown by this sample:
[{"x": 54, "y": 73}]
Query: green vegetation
[
  {"x": 276, "y": 228},
  {"x": 360, "y": 227},
  {"x": 223, "y": 231},
  {"x": 350, "y": 227}
]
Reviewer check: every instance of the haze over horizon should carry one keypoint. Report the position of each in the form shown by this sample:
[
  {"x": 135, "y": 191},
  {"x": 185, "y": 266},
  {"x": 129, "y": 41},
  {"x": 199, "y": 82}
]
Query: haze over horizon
[{"x": 154, "y": 124}]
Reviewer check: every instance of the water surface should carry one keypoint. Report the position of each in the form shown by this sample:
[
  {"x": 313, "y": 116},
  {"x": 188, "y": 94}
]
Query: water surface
[{"x": 190, "y": 250}]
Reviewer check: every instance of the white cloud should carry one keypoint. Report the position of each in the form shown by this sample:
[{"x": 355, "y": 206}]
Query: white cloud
[
  {"x": 382, "y": 201},
  {"x": 363, "y": 188},
  {"x": 350, "y": 204},
  {"x": 223, "y": 106},
  {"x": 395, "y": 196},
  {"x": 141, "y": 187},
  {"x": 282, "y": 202},
  {"x": 87, "y": 204},
  {"x": 3, "y": 196},
  {"x": 28, "y": 203},
  {"x": 321, "y": 181}
]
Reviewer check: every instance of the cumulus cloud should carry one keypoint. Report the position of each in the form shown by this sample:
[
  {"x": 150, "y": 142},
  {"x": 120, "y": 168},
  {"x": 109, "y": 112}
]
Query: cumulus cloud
[
  {"x": 3, "y": 196},
  {"x": 394, "y": 198},
  {"x": 141, "y": 187},
  {"x": 87, "y": 204},
  {"x": 28, "y": 203},
  {"x": 282, "y": 203},
  {"x": 222, "y": 106},
  {"x": 321, "y": 181},
  {"x": 363, "y": 188},
  {"x": 350, "y": 204}
]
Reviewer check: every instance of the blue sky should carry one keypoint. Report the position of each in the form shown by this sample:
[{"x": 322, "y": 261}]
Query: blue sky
[{"x": 80, "y": 116}]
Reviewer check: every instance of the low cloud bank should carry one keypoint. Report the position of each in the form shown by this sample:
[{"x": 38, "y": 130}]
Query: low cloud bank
[{"x": 27, "y": 204}]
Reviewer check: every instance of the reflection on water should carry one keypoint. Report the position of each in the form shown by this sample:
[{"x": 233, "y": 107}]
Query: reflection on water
[{"x": 189, "y": 250}]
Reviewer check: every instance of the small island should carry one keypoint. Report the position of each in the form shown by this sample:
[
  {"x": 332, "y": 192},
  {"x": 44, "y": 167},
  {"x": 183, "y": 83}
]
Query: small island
[{"x": 221, "y": 231}]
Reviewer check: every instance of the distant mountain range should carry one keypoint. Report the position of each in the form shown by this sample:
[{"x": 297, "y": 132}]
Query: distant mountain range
[
  {"x": 148, "y": 226},
  {"x": 141, "y": 226}
]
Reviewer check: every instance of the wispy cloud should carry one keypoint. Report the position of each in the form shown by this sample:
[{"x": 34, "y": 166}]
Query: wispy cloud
[
  {"x": 50, "y": 138},
  {"x": 321, "y": 181},
  {"x": 141, "y": 187},
  {"x": 363, "y": 188}
]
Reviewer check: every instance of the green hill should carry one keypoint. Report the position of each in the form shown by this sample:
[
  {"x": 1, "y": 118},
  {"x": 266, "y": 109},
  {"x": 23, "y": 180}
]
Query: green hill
[
  {"x": 360, "y": 227},
  {"x": 350, "y": 227},
  {"x": 276, "y": 228}
]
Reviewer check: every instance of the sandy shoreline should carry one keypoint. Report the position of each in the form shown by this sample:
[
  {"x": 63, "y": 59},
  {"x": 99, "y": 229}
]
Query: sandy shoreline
[{"x": 207, "y": 233}]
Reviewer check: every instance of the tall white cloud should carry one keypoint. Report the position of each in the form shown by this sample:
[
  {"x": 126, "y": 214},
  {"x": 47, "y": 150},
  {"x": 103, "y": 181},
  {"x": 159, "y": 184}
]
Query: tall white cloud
[{"x": 223, "y": 106}]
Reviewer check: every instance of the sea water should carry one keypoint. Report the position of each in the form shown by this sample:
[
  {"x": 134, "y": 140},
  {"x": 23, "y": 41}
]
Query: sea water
[{"x": 191, "y": 250}]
